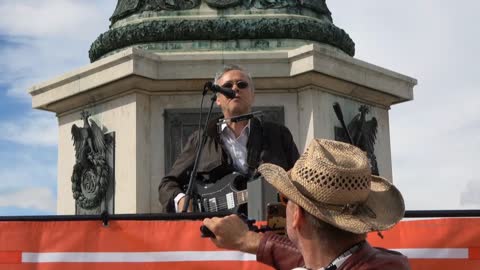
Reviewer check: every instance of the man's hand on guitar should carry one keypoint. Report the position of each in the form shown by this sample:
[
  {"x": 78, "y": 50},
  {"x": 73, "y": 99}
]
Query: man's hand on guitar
[
  {"x": 231, "y": 232},
  {"x": 181, "y": 203}
]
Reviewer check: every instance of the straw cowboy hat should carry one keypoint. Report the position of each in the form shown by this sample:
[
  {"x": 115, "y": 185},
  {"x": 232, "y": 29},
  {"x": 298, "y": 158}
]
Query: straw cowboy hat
[{"x": 333, "y": 182}]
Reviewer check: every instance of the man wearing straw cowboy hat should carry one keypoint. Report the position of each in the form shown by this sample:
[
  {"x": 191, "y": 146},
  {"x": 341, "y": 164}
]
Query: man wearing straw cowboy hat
[{"x": 332, "y": 202}]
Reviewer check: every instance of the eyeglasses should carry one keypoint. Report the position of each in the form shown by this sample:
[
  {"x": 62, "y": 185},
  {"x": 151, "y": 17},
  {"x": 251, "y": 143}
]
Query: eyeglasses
[
  {"x": 282, "y": 199},
  {"x": 239, "y": 84}
]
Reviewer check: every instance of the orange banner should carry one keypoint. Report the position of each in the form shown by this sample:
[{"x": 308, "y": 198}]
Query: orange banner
[
  {"x": 443, "y": 243},
  {"x": 121, "y": 245},
  {"x": 449, "y": 243}
]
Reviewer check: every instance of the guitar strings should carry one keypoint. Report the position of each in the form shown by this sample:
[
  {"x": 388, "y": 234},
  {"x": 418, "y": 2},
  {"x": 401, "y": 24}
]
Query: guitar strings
[
  {"x": 222, "y": 205},
  {"x": 219, "y": 206}
]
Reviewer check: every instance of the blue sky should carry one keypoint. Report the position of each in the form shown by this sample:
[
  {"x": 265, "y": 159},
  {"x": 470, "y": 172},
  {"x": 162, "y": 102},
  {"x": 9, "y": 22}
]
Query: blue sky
[{"x": 435, "y": 138}]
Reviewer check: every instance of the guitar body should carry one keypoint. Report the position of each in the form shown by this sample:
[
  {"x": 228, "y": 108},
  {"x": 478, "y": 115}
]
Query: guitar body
[{"x": 223, "y": 194}]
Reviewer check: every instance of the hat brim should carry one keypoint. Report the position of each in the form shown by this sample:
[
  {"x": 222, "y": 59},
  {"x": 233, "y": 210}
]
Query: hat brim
[{"x": 383, "y": 208}]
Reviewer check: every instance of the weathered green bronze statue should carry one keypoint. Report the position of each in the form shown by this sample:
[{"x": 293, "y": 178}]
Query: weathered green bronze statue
[{"x": 192, "y": 25}]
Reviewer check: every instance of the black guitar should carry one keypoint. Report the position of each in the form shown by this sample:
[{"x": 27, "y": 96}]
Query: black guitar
[{"x": 222, "y": 195}]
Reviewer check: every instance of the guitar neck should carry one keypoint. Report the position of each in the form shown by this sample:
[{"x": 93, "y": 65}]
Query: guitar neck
[{"x": 242, "y": 197}]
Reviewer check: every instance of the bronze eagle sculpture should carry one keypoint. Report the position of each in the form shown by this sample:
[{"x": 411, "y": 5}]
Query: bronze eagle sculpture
[
  {"x": 87, "y": 140},
  {"x": 91, "y": 171}
]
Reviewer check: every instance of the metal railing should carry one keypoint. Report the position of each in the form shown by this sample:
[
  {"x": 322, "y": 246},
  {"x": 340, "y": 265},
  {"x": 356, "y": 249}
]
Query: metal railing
[{"x": 199, "y": 216}]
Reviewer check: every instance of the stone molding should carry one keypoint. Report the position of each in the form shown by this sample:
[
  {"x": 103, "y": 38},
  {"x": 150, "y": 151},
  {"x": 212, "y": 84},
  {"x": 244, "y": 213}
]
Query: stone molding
[{"x": 319, "y": 66}]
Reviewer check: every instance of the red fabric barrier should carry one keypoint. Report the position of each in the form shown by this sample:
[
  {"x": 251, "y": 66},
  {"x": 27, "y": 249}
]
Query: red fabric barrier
[
  {"x": 134, "y": 245},
  {"x": 449, "y": 243},
  {"x": 444, "y": 243}
]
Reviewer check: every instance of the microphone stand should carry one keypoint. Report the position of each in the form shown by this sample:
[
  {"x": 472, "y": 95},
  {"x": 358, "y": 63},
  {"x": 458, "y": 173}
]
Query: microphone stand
[
  {"x": 338, "y": 112},
  {"x": 193, "y": 174},
  {"x": 239, "y": 118}
]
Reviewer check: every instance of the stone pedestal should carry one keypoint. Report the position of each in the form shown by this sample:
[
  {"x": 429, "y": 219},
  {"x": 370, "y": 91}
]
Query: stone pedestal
[{"x": 129, "y": 91}]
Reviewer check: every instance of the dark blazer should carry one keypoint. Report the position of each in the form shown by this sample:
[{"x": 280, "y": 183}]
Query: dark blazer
[{"x": 267, "y": 143}]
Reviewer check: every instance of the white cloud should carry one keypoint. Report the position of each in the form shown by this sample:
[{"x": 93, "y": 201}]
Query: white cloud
[
  {"x": 21, "y": 68},
  {"x": 470, "y": 195},
  {"x": 44, "y": 39},
  {"x": 38, "y": 198},
  {"x": 28, "y": 176},
  {"x": 36, "y": 128},
  {"x": 71, "y": 19},
  {"x": 22, "y": 166}
]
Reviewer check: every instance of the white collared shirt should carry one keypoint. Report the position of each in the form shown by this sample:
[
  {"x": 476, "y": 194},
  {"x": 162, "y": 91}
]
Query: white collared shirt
[{"x": 236, "y": 148}]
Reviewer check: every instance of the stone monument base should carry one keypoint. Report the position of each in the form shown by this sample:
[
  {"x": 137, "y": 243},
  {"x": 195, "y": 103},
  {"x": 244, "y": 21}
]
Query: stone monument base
[{"x": 132, "y": 93}]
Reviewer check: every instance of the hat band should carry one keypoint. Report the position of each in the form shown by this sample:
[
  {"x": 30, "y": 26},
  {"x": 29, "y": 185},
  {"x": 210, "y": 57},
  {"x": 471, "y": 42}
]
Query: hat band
[
  {"x": 353, "y": 209},
  {"x": 358, "y": 210}
]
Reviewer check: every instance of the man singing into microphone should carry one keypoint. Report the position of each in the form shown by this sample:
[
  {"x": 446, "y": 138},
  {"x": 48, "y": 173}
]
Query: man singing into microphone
[{"x": 230, "y": 147}]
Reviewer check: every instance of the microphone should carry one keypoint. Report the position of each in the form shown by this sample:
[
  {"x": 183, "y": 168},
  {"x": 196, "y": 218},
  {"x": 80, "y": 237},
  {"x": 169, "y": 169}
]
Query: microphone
[{"x": 229, "y": 93}]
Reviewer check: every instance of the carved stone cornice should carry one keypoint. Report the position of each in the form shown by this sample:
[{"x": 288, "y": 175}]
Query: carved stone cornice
[{"x": 221, "y": 29}]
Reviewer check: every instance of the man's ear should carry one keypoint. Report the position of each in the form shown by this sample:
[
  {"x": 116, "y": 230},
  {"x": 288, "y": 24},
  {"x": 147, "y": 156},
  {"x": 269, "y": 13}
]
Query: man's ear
[{"x": 298, "y": 217}]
